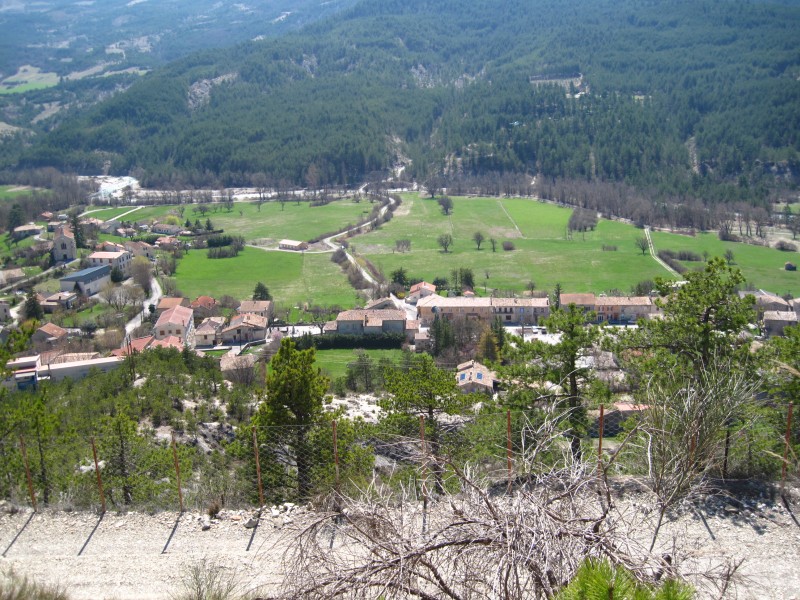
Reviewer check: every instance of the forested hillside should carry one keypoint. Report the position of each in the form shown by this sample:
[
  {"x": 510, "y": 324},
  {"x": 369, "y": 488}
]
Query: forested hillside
[{"x": 682, "y": 97}]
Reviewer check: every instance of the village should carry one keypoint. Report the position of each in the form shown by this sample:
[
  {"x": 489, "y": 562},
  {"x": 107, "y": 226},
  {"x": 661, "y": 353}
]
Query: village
[{"x": 120, "y": 273}]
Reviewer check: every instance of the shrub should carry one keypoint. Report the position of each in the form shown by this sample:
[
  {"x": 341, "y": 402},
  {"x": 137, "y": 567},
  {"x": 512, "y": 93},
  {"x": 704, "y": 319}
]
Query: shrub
[
  {"x": 689, "y": 256},
  {"x": 508, "y": 246},
  {"x": 609, "y": 248},
  {"x": 785, "y": 246},
  {"x": 339, "y": 256},
  {"x": 223, "y": 252}
]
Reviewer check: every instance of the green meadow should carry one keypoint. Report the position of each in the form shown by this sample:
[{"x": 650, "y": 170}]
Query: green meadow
[
  {"x": 763, "y": 267},
  {"x": 292, "y": 278},
  {"x": 295, "y": 221},
  {"x": 542, "y": 252},
  {"x": 334, "y": 362},
  {"x": 11, "y": 191}
]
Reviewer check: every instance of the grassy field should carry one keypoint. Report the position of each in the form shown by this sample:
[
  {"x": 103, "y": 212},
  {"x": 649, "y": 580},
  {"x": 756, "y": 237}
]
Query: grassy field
[
  {"x": 296, "y": 221},
  {"x": 11, "y": 191},
  {"x": 106, "y": 214},
  {"x": 763, "y": 267},
  {"x": 291, "y": 278},
  {"x": 334, "y": 362},
  {"x": 28, "y": 78},
  {"x": 542, "y": 252}
]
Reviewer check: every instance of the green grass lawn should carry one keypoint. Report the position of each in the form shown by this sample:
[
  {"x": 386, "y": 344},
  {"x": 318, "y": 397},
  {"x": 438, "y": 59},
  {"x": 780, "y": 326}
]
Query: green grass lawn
[
  {"x": 6, "y": 192},
  {"x": 334, "y": 362},
  {"x": 763, "y": 267},
  {"x": 291, "y": 278},
  {"x": 106, "y": 214},
  {"x": 295, "y": 221},
  {"x": 542, "y": 253},
  {"x": 78, "y": 318},
  {"x": 215, "y": 353}
]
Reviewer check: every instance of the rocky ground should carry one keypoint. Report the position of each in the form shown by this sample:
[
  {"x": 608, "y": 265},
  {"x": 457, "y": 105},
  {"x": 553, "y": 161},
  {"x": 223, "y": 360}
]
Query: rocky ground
[{"x": 140, "y": 556}]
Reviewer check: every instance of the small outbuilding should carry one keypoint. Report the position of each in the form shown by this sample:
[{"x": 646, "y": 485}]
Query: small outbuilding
[{"x": 292, "y": 245}]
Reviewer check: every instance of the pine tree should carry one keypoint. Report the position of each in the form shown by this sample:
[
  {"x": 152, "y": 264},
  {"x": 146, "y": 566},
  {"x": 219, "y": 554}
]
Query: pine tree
[{"x": 295, "y": 389}]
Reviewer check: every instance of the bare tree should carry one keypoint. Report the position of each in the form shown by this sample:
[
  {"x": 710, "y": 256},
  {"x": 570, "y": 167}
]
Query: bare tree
[
  {"x": 642, "y": 244},
  {"x": 477, "y": 543},
  {"x": 445, "y": 241},
  {"x": 478, "y": 238}
]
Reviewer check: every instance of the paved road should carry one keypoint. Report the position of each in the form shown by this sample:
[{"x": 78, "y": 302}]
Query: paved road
[{"x": 153, "y": 299}]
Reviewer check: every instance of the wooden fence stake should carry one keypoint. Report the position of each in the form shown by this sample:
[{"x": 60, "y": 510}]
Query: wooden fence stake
[
  {"x": 258, "y": 468},
  {"x": 177, "y": 470},
  {"x": 786, "y": 445},
  {"x": 508, "y": 449},
  {"x": 99, "y": 478},
  {"x": 336, "y": 455},
  {"x": 424, "y": 475},
  {"x": 600, "y": 428},
  {"x": 27, "y": 472}
]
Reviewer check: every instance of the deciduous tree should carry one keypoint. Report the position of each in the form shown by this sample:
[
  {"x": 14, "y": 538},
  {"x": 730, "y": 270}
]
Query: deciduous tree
[{"x": 445, "y": 241}]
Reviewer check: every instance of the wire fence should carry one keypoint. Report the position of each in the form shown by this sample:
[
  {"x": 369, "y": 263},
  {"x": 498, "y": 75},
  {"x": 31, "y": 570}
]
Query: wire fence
[{"x": 125, "y": 466}]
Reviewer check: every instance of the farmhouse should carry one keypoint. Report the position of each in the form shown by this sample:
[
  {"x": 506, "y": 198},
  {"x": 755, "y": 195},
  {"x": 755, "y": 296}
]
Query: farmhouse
[
  {"x": 203, "y": 307},
  {"x": 767, "y": 301},
  {"x": 262, "y": 308},
  {"x": 88, "y": 281},
  {"x": 585, "y": 301},
  {"x": 24, "y": 231},
  {"x": 141, "y": 344},
  {"x": 623, "y": 309},
  {"x": 167, "y": 302},
  {"x": 292, "y": 245},
  {"x": 50, "y": 334},
  {"x": 420, "y": 290},
  {"x": 472, "y": 377},
  {"x": 208, "y": 333},
  {"x": 511, "y": 311},
  {"x": 116, "y": 260},
  {"x": 365, "y": 322},
  {"x": 65, "y": 300},
  {"x": 177, "y": 321},
  {"x": 775, "y": 321},
  {"x": 166, "y": 229},
  {"x": 64, "y": 248},
  {"x": 141, "y": 249},
  {"x": 244, "y": 328}
]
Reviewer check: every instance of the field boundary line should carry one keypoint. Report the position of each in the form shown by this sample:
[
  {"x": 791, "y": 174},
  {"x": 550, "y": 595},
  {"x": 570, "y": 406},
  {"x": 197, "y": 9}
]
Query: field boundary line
[{"x": 513, "y": 222}]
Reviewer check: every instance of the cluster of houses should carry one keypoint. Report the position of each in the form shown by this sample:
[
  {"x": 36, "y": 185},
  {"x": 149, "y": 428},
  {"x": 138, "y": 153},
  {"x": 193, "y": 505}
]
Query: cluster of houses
[
  {"x": 184, "y": 324},
  {"x": 776, "y": 314},
  {"x": 526, "y": 311}
]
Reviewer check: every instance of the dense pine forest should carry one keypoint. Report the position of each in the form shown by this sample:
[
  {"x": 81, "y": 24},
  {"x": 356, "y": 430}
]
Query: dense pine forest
[{"x": 682, "y": 98}]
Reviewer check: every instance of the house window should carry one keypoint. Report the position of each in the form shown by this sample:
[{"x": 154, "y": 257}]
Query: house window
[
  {"x": 480, "y": 375},
  {"x": 463, "y": 376},
  {"x": 63, "y": 246},
  {"x": 161, "y": 332}
]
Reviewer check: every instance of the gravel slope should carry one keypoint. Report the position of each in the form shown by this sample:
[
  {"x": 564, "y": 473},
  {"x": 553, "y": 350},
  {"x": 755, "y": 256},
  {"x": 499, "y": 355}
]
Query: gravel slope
[{"x": 124, "y": 558}]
